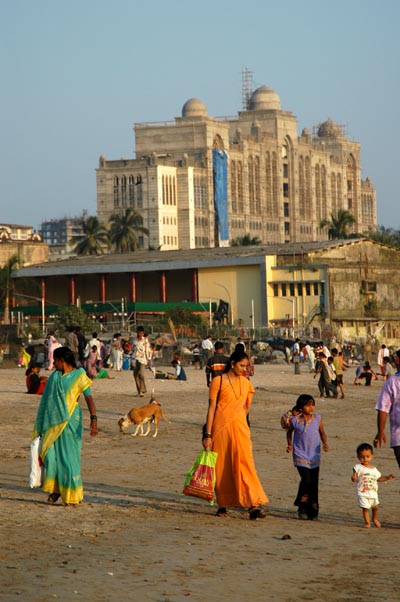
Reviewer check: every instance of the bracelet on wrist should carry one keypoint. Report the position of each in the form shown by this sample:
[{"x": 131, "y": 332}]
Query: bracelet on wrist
[
  {"x": 93, "y": 417},
  {"x": 207, "y": 436}
]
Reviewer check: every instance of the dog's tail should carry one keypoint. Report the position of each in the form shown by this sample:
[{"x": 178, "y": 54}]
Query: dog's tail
[{"x": 164, "y": 417}]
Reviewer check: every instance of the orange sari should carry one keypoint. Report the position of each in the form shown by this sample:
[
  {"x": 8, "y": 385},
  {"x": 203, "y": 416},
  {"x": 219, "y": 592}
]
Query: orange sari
[{"x": 237, "y": 483}]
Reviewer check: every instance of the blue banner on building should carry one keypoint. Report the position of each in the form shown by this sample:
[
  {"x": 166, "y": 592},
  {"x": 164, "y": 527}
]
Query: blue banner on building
[{"x": 220, "y": 160}]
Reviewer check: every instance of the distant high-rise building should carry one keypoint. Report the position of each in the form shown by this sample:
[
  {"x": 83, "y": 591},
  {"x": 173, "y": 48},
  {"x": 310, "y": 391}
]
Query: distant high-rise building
[
  {"x": 59, "y": 234},
  {"x": 202, "y": 181}
]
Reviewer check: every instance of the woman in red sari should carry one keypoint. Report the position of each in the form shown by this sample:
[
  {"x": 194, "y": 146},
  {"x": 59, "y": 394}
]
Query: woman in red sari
[{"x": 227, "y": 433}]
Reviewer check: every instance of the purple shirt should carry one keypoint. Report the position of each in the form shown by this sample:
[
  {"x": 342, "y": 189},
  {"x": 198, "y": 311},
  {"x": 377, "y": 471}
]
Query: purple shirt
[
  {"x": 389, "y": 402},
  {"x": 306, "y": 441}
]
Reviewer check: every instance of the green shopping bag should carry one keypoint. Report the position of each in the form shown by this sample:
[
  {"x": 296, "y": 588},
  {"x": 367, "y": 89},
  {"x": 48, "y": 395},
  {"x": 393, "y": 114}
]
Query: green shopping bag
[{"x": 200, "y": 480}]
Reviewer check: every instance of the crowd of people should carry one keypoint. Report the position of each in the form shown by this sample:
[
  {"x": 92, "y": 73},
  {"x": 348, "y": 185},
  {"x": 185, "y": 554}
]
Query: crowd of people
[{"x": 227, "y": 427}]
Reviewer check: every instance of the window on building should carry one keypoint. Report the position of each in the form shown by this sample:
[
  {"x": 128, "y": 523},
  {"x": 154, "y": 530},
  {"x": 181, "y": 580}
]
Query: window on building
[
  {"x": 291, "y": 288},
  {"x": 139, "y": 184},
  {"x": 308, "y": 289},
  {"x": 315, "y": 287},
  {"x": 276, "y": 290},
  {"x": 286, "y": 209},
  {"x": 285, "y": 190},
  {"x": 287, "y": 228},
  {"x": 131, "y": 191},
  {"x": 283, "y": 285},
  {"x": 116, "y": 192},
  {"x": 368, "y": 286},
  {"x": 299, "y": 289},
  {"x": 285, "y": 170}
]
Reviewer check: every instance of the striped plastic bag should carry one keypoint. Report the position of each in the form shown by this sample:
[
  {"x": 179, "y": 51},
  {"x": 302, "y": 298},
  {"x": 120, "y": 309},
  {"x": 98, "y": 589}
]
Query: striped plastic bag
[{"x": 200, "y": 480}]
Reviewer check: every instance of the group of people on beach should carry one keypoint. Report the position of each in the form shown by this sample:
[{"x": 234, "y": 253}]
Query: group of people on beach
[{"x": 226, "y": 431}]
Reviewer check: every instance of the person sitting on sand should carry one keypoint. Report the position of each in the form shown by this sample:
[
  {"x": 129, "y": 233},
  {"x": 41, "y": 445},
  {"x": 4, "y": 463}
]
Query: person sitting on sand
[{"x": 34, "y": 382}]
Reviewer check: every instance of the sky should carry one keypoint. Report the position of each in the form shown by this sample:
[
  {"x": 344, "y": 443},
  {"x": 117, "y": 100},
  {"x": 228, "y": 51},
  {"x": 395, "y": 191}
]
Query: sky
[{"x": 77, "y": 75}]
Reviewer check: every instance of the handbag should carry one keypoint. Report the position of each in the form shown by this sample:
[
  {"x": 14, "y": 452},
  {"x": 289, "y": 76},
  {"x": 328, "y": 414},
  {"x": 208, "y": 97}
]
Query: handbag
[
  {"x": 36, "y": 475},
  {"x": 200, "y": 480}
]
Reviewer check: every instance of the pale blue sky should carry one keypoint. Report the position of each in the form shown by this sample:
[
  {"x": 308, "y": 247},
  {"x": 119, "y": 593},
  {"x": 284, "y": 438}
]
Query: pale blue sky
[{"x": 77, "y": 75}]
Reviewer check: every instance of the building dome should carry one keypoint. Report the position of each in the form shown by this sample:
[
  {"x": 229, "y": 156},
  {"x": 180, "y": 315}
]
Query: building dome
[
  {"x": 264, "y": 98},
  {"x": 329, "y": 129},
  {"x": 194, "y": 108}
]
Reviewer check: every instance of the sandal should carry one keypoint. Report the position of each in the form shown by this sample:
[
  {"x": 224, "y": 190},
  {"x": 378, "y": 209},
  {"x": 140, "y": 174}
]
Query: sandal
[
  {"x": 221, "y": 512},
  {"x": 255, "y": 513},
  {"x": 53, "y": 497}
]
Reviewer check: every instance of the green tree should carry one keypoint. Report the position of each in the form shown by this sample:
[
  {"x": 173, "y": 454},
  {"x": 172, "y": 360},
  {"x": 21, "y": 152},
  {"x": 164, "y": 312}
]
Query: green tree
[
  {"x": 338, "y": 225},
  {"x": 6, "y": 284},
  {"x": 124, "y": 230},
  {"x": 94, "y": 240},
  {"x": 71, "y": 315},
  {"x": 245, "y": 241},
  {"x": 386, "y": 236}
]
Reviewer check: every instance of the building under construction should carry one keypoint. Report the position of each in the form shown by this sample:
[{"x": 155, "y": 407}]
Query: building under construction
[{"x": 202, "y": 181}]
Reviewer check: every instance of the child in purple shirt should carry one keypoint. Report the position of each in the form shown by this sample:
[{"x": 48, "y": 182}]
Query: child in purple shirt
[{"x": 306, "y": 431}]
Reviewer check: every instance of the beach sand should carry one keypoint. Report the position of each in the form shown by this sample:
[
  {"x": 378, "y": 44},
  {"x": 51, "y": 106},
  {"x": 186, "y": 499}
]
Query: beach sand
[{"x": 136, "y": 537}]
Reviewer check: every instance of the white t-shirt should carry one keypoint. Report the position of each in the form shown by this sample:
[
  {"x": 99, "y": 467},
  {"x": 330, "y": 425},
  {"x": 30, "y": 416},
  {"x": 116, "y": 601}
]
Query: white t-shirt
[{"x": 367, "y": 480}]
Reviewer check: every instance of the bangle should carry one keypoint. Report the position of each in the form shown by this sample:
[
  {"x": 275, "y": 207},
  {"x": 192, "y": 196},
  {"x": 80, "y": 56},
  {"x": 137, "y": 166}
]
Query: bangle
[
  {"x": 93, "y": 417},
  {"x": 207, "y": 436}
]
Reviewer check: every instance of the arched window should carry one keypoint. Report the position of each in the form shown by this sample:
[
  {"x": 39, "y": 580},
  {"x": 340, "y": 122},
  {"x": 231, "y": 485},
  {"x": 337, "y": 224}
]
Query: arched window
[
  {"x": 351, "y": 177},
  {"x": 275, "y": 186},
  {"x": 131, "y": 188},
  {"x": 339, "y": 191},
  {"x": 324, "y": 209},
  {"x": 123, "y": 191},
  {"x": 333, "y": 194},
  {"x": 116, "y": 192},
  {"x": 250, "y": 166},
  {"x": 139, "y": 189},
  {"x": 317, "y": 173},
  {"x": 240, "y": 186},
  {"x": 268, "y": 184},
  {"x": 302, "y": 191},
  {"x": 307, "y": 185},
  {"x": 257, "y": 186}
]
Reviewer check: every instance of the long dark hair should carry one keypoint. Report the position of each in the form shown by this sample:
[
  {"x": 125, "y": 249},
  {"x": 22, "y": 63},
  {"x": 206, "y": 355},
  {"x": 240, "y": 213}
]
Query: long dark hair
[
  {"x": 237, "y": 356},
  {"x": 65, "y": 353}
]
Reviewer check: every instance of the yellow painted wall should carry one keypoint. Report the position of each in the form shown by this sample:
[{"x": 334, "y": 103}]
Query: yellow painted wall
[{"x": 236, "y": 285}]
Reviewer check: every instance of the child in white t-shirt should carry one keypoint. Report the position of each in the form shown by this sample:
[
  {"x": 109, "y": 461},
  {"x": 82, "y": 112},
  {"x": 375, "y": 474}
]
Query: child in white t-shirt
[{"x": 367, "y": 478}]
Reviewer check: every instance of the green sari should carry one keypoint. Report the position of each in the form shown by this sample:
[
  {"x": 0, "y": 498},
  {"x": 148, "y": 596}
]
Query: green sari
[{"x": 59, "y": 422}]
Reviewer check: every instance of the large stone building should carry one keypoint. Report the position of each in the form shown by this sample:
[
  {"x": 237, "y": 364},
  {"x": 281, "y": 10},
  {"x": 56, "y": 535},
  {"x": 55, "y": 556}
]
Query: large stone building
[
  {"x": 203, "y": 181},
  {"x": 62, "y": 234}
]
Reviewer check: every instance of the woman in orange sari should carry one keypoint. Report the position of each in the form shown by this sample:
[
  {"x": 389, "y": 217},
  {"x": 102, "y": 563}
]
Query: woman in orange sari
[{"x": 227, "y": 433}]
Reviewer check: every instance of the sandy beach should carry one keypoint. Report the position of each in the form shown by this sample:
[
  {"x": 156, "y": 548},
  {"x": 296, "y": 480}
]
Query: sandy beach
[{"x": 136, "y": 537}]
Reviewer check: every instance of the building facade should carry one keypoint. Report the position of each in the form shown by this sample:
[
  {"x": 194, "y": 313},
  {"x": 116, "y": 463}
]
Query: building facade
[
  {"x": 61, "y": 234},
  {"x": 203, "y": 181},
  {"x": 342, "y": 287}
]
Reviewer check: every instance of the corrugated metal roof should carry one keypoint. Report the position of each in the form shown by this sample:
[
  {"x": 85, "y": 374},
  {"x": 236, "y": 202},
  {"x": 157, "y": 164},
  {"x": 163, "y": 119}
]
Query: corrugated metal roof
[{"x": 147, "y": 261}]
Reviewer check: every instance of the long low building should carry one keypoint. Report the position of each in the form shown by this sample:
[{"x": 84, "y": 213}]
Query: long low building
[{"x": 347, "y": 287}]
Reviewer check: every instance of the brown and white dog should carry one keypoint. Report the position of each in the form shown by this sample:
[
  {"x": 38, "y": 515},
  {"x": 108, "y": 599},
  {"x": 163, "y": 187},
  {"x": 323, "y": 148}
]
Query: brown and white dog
[{"x": 151, "y": 412}]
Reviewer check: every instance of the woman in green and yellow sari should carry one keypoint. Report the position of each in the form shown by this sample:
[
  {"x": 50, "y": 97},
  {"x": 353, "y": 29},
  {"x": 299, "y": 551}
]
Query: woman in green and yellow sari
[{"x": 59, "y": 423}]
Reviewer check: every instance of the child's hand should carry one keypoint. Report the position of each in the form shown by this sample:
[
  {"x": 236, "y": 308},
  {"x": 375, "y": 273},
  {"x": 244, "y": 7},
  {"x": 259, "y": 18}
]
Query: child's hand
[
  {"x": 325, "y": 447},
  {"x": 289, "y": 448}
]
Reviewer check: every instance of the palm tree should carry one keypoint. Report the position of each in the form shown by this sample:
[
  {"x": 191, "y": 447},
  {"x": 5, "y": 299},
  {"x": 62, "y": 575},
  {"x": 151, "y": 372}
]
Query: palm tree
[
  {"x": 5, "y": 285},
  {"x": 246, "y": 241},
  {"x": 94, "y": 239},
  {"x": 338, "y": 224},
  {"x": 124, "y": 230}
]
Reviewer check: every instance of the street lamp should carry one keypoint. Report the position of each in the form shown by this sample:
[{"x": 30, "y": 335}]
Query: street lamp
[
  {"x": 42, "y": 301},
  {"x": 230, "y": 300},
  {"x": 292, "y": 301}
]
